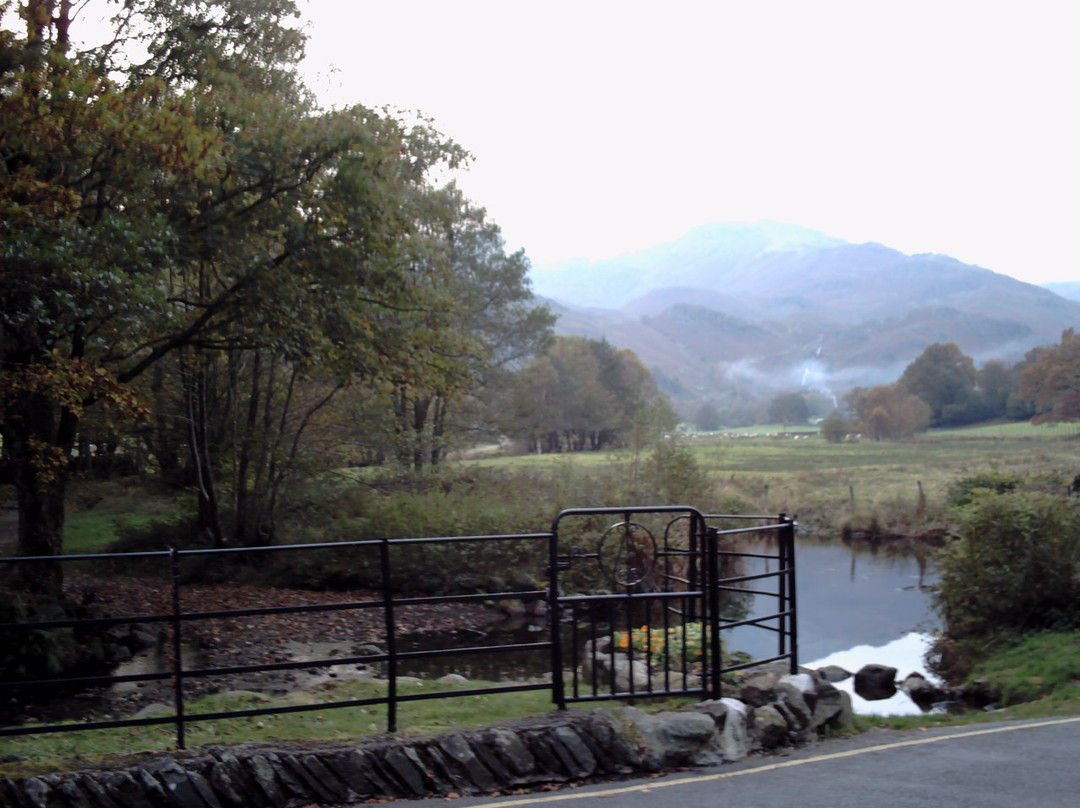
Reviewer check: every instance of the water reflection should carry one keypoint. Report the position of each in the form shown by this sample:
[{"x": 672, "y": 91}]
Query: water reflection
[
  {"x": 847, "y": 596},
  {"x": 905, "y": 654}
]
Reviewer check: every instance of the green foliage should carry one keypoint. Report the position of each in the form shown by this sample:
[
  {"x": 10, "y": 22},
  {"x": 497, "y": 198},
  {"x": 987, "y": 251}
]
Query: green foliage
[
  {"x": 675, "y": 476},
  {"x": 789, "y": 409},
  {"x": 944, "y": 378},
  {"x": 583, "y": 394},
  {"x": 961, "y": 492},
  {"x": 1014, "y": 566},
  {"x": 185, "y": 226},
  {"x": 1044, "y": 665},
  {"x": 835, "y": 427},
  {"x": 27, "y": 655}
]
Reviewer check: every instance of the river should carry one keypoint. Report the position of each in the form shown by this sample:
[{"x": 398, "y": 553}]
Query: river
[{"x": 856, "y": 605}]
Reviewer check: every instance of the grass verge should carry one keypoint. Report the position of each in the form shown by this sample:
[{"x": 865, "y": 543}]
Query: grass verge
[
  {"x": 84, "y": 749},
  {"x": 1039, "y": 677}
]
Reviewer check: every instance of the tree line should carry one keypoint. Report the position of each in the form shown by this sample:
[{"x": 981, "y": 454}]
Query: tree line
[
  {"x": 943, "y": 388},
  {"x": 205, "y": 275},
  {"x": 207, "y": 278}
]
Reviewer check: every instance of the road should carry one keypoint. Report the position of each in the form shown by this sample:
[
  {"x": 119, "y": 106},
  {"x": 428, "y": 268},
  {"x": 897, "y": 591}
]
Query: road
[{"x": 1017, "y": 764}]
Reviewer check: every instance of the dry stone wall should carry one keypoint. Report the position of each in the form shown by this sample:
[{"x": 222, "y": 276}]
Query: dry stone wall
[{"x": 774, "y": 710}]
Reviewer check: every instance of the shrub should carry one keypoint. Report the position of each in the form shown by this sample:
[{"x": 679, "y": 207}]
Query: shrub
[
  {"x": 834, "y": 428},
  {"x": 675, "y": 476},
  {"x": 1013, "y": 568},
  {"x": 961, "y": 492},
  {"x": 35, "y": 654}
]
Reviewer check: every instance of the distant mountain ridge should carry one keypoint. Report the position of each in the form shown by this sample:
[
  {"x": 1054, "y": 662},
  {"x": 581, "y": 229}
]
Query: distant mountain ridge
[{"x": 781, "y": 306}]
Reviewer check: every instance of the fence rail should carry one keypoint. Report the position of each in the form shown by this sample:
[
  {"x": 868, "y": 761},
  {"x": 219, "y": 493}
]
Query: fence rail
[{"x": 543, "y": 553}]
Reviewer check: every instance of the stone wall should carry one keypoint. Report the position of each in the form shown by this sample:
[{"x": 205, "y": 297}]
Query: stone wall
[{"x": 773, "y": 710}]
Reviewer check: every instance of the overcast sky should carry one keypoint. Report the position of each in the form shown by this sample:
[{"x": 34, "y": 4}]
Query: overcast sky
[{"x": 600, "y": 128}]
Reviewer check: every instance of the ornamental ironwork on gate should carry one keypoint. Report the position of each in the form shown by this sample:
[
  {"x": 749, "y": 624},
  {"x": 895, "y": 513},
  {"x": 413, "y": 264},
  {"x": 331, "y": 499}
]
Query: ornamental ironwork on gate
[{"x": 646, "y": 595}]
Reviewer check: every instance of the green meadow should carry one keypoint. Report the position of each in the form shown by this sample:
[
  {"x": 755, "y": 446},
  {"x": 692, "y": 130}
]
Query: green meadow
[{"x": 829, "y": 486}]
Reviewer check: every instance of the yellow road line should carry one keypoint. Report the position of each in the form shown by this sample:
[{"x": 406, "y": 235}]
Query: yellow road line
[{"x": 707, "y": 778}]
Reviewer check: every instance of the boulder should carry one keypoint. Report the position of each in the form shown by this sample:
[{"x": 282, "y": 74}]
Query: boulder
[
  {"x": 759, "y": 690},
  {"x": 833, "y": 707},
  {"x": 770, "y": 726},
  {"x": 669, "y": 739},
  {"x": 875, "y": 682},
  {"x": 452, "y": 679},
  {"x": 922, "y": 691},
  {"x": 791, "y": 703},
  {"x": 732, "y": 740},
  {"x": 833, "y": 673}
]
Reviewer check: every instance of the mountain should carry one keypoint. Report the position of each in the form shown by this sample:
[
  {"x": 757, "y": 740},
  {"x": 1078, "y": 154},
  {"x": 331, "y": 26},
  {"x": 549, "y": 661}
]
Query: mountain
[
  {"x": 777, "y": 307},
  {"x": 1070, "y": 290}
]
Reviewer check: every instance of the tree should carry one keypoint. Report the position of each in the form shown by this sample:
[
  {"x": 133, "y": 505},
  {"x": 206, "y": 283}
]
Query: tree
[
  {"x": 1051, "y": 380},
  {"x": 788, "y": 408},
  {"x": 835, "y": 428},
  {"x": 944, "y": 378},
  {"x": 708, "y": 417},
  {"x": 582, "y": 394},
  {"x": 888, "y": 412},
  {"x": 479, "y": 322},
  {"x": 191, "y": 203},
  {"x": 995, "y": 382}
]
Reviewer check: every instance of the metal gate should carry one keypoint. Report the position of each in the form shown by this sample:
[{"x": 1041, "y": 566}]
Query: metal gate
[{"x": 637, "y": 599}]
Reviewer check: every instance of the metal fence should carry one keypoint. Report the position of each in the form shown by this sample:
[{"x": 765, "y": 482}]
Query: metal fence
[
  {"x": 689, "y": 595},
  {"x": 656, "y": 629}
]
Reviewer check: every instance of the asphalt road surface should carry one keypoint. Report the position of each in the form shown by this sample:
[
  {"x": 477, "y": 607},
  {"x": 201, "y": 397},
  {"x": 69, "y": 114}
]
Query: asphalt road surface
[{"x": 1018, "y": 764}]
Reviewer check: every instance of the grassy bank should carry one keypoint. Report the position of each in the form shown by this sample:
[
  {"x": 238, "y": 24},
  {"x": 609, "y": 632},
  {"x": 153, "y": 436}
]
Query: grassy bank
[
  {"x": 1039, "y": 677},
  {"x": 1034, "y": 677}
]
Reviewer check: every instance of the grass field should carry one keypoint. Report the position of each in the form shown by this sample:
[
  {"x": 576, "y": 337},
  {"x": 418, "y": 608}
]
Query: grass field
[
  {"x": 831, "y": 485},
  {"x": 769, "y": 469}
]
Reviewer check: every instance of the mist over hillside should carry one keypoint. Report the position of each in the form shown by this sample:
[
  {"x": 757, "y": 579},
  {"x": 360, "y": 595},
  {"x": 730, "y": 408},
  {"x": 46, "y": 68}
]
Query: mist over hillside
[{"x": 735, "y": 310}]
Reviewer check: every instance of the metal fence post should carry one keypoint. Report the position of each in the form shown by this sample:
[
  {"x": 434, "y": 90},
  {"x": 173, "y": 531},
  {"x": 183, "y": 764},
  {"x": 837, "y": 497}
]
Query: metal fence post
[
  {"x": 712, "y": 560},
  {"x": 787, "y": 541},
  {"x": 177, "y": 646},
  {"x": 558, "y": 687},
  {"x": 391, "y": 639}
]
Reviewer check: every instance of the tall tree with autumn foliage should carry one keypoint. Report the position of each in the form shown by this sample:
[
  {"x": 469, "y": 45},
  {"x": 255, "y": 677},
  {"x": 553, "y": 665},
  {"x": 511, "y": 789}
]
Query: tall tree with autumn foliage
[
  {"x": 192, "y": 201},
  {"x": 1051, "y": 380}
]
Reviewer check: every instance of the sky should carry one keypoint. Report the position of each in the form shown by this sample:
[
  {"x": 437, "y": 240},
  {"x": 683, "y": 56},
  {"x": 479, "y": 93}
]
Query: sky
[{"x": 601, "y": 128}]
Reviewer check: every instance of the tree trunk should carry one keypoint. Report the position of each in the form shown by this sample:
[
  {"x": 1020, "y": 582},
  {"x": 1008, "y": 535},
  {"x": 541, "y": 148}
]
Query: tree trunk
[
  {"x": 206, "y": 493},
  {"x": 438, "y": 429},
  {"x": 242, "y": 482},
  {"x": 163, "y": 441},
  {"x": 420, "y": 409},
  {"x": 38, "y": 438}
]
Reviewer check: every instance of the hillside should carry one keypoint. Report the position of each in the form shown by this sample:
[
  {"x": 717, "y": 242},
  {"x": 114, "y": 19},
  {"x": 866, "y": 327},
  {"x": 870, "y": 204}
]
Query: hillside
[
  {"x": 778, "y": 307},
  {"x": 1070, "y": 290}
]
